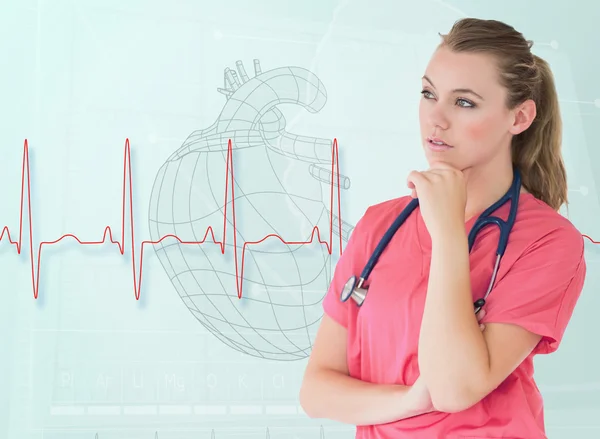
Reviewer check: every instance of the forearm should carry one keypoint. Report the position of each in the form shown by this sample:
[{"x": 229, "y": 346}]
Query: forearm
[
  {"x": 333, "y": 395},
  {"x": 453, "y": 355}
]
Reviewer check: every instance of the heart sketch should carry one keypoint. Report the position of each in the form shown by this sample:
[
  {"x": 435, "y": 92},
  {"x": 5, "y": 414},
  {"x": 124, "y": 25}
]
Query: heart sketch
[{"x": 281, "y": 188}]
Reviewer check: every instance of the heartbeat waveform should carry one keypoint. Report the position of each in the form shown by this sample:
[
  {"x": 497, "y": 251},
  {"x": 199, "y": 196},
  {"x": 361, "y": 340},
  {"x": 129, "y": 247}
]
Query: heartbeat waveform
[{"x": 127, "y": 184}]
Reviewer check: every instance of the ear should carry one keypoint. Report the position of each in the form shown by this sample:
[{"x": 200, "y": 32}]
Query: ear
[{"x": 524, "y": 114}]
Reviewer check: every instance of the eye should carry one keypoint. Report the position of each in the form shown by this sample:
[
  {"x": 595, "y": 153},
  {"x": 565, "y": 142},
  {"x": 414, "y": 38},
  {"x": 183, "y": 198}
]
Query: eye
[
  {"x": 469, "y": 103},
  {"x": 464, "y": 103},
  {"x": 424, "y": 92}
]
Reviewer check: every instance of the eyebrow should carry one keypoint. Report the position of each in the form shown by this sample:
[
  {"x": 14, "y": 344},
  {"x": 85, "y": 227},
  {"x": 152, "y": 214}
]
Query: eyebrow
[{"x": 457, "y": 90}]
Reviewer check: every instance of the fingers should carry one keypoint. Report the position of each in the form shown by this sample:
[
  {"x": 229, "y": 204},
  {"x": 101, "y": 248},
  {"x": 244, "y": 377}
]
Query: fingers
[
  {"x": 481, "y": 315},
  {"x": 415, "y": 179},
  {"x": 418, "y": 180}
]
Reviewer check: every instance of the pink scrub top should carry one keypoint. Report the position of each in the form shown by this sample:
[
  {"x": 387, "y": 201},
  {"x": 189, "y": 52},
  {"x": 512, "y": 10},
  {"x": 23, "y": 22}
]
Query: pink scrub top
[{"x": 539, "y": 281}]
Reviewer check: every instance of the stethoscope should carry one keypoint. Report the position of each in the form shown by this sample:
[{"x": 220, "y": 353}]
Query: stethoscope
[{"x": 354, "y": 288}]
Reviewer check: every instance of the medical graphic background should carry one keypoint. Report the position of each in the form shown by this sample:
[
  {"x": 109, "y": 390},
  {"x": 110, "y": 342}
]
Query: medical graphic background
[
  {"x": 285, "y": 281},
  {"x": 179, "y": 178}
]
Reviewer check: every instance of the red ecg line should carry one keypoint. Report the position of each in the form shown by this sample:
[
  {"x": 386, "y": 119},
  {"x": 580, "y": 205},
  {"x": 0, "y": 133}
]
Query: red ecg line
[{"x": 127, "y": 184}]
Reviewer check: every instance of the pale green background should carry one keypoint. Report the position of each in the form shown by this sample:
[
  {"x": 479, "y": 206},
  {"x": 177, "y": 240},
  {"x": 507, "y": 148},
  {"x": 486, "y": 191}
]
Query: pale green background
[{"x": 78, "y": 77}]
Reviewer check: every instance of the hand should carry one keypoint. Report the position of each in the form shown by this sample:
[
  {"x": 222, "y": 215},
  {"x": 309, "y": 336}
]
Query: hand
[
  {"x": 442, "y": 196},
  {"x": 419, "y": 400}
]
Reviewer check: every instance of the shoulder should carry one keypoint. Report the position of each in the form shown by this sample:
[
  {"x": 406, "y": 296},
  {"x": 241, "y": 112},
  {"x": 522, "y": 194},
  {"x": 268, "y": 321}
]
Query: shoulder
[
  {"x": 545, "y": 251},
  {"x": 543, "y": 229},
  {"x": 542, "y": 274},
  {"x": 385, "y": 212},
  {"x": 379, "y": 216}
]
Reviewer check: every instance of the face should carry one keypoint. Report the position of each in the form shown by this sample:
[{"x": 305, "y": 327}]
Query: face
[{"x": 463, "y": 105}]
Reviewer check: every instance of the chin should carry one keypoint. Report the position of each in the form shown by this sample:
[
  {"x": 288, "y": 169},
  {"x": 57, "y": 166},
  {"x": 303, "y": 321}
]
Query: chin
[{"x": 432, "y": 160}]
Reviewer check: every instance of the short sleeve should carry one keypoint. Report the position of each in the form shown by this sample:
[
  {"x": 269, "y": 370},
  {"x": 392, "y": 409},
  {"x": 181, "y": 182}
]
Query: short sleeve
[
  {"x": 540, "y": 291},
  {"x": 350, "y": 263}
]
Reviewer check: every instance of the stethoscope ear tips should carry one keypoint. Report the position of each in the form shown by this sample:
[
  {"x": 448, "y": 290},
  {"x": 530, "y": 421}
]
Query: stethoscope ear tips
[{"x": 354, "y": 290}]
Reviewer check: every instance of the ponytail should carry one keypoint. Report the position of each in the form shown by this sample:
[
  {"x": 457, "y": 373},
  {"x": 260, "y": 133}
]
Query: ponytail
[{"x": 536, "y": 151}]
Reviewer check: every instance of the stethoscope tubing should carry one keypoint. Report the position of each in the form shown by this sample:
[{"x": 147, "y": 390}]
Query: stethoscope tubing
[{"x": 354, "y": 287}]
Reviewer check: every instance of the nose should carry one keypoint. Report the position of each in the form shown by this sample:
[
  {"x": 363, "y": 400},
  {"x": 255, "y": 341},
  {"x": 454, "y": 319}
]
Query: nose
[{"x": 437, "y": 116}]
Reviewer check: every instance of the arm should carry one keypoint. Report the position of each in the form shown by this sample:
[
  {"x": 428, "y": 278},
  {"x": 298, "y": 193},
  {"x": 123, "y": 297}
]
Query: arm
[
  {"x": 329, "y": 392},
  {"x": 460, "y": 364}
]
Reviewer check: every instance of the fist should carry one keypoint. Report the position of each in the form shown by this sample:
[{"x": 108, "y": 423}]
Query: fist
[{"x": 442, "y": 196}]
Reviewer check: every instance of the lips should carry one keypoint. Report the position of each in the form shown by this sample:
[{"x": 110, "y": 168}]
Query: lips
[{"x": 438, "y": 142}]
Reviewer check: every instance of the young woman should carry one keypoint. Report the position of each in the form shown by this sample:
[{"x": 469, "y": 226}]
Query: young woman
[{"x": 413, "y": 361}]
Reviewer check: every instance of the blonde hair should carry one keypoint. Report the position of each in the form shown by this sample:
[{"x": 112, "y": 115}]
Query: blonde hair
[{"x": 536, "y": 152}]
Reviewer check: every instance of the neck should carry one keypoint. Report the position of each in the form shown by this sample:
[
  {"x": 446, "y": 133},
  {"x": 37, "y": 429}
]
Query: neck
[{"x": 485, "y": 185}]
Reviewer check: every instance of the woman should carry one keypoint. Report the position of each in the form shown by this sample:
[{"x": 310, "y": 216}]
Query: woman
[{"x": 413, "y": 360}]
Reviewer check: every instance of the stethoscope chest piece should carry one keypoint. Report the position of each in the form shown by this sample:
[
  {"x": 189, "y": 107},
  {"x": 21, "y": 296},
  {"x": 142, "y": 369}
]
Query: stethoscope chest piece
[{"x": 353, "y": 288}]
